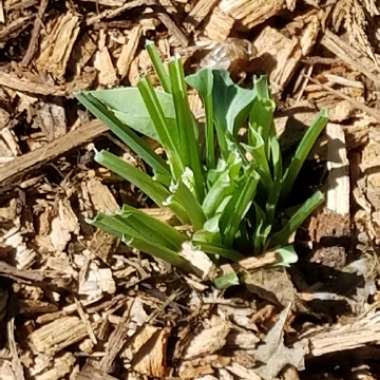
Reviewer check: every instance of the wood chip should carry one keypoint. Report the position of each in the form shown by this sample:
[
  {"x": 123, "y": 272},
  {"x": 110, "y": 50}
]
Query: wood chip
[
  {"x": 219, "y": 25},
  {"x": 57, "y": 47},
  {"x": 209, "y": 340},
  {"x": 251, "y": 13},
  {"x": 285, "y": 52},
  {"x": 350, "y": 56},
  {"x": 349, "y": 336},
  {"x": 338, "y": 180},
  {"x": 32, "y": 160},
  {"x": 32, "y": 46},
  {"x": 62, "y": 366},
  {"x": 36, "y": 86},
  {"x": 150, "y": 358},
  {"x": 93, "y": 373},
  {"x": 128, "y": 52},
  {"x": 57, "y": 335},
  {"x": 200, "y": 11},
  {"x": 173, "y": 29}
]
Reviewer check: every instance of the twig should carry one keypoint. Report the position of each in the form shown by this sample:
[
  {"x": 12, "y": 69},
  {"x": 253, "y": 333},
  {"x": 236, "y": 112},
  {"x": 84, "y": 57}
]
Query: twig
[
  {"x": 30, "y": 51},
  {"x": 370, "y": 111},
  {"x": 22, "y": 165}
]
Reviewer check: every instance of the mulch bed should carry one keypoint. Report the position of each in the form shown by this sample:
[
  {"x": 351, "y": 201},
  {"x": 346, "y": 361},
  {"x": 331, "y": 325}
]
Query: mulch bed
[{"x": 76, "y": 304}]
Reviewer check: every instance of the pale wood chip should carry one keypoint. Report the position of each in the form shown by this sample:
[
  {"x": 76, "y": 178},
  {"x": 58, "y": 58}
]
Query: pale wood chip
[
  {"x": 2, "y": 16},
  {"x": 92, "y": 373},
  {"x": 106, "y": 71},
  {"x": 51, "y": 118},
  {"x": 200, "y": 11},
  {"x": 128, "y": 51},
  {"x": 96, "y": 282},
  {"x": 6, "y": 370},
  {"x": 209, "y": 340},
  {"x": 338, "y": 180},
  {"x": 285, "y": 52},
  {"x": 57, "y": 335},
  {"x": 63, "y": 225},
  {"x": 200, "y": 263},
  {"x": 57, "y": 47},
  {"x": 252, "y": 13},
  {"x": 16, "y": 362},
  {"x": 150, "y": 359},
  {"x": 62, "y": 366},
  {"x": 357, "y": 333},
  {"x": 101, "y": 197},
  {"x": 219, "y": 25}
]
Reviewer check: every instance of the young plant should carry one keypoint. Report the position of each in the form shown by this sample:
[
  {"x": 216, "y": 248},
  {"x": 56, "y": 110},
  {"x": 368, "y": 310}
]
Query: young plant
[{"x": 225, "y": 178}]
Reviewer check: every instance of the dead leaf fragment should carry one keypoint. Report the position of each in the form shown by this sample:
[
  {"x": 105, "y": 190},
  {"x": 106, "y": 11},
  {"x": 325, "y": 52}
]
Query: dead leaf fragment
[{"x": 274, "y": 355}]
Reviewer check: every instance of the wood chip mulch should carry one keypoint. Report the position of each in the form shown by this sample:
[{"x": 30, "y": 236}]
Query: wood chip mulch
[{"x": 75, "y": 304}]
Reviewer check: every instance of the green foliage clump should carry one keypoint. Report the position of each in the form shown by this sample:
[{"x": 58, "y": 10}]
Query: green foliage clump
[{"x": 225, "y": 177}]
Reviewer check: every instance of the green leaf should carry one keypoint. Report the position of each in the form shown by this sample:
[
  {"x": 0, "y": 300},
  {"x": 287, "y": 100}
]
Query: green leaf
[
  {"x": 158, "y": 65},
  {"x": 303, "y": 150},
  {"x": 134, "y": 142},
  {"x": 203, "y": 82},
  {"x": 231, "y": 102},
  {"x": 168, "y": 136},
  {"x": 238, "y": 206},
  {"x": 296, "y": 220},
  {"x": 159, "y": 251},
  {"x": 143, "y": 181},
  {"x": 262, "y": 110},
  {"x": 187, "y": 139},
  {"x": 182, "y": 195},
  {"x": 128, "y": 106},
  {"x": 149, "y": 226},
  {"x": 287, "y": 255},
  {"x": 226, "y": 280}
]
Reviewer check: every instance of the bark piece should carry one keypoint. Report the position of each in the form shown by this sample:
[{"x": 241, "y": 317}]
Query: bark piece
[
  {"x": 279, "y": 56},
  {"x": 14, "y": 28},
  {"x": 102, "y": 245},
  {"x": 128, "y": 52},
  {"x": 57, "y": 335},
  {"x": 251, "y": 13},
  {"x": 25, "y": 163},
  {"x": 219, "y": 25},
  {"x": 56, "y": 48}
]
